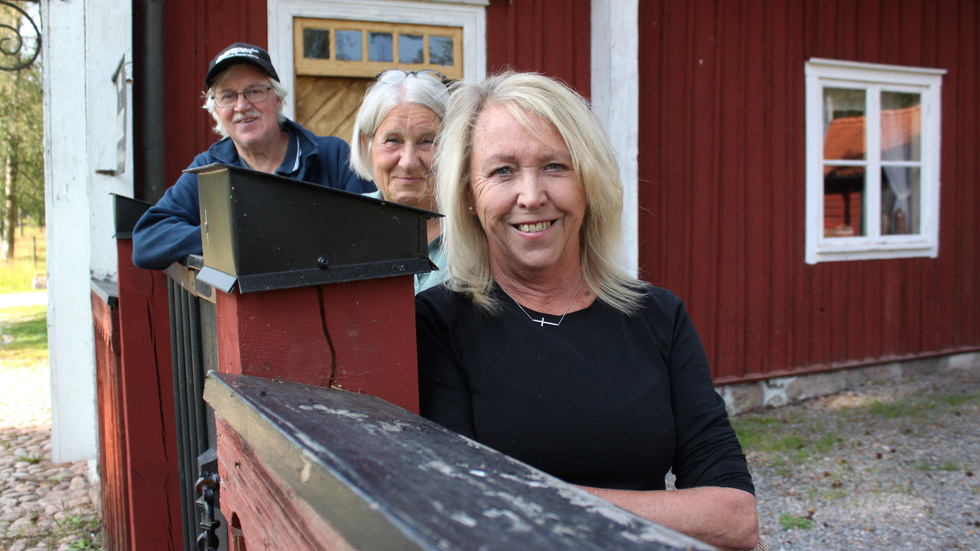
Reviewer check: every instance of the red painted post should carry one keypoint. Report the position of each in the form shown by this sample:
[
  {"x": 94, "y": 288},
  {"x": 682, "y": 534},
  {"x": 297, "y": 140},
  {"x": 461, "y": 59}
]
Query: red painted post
[
  {"x": 318, "y": 290},
  {"x": 114, "y": 488},
  {"x": 148, "y": 409},
  {"x": 357, "y": 336}
]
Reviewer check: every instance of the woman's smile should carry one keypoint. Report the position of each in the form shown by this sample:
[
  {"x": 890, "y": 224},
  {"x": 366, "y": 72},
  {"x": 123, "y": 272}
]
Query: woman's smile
[{"x": 525, "y": 191}]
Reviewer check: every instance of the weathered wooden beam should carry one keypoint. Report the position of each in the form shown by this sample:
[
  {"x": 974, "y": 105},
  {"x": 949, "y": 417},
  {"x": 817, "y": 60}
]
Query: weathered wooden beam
[{"x": 360, "y": 473}]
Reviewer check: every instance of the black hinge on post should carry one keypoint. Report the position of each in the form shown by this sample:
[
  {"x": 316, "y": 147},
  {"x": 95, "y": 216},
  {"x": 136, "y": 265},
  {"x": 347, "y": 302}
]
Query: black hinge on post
[{"x": 207, "y": 487}]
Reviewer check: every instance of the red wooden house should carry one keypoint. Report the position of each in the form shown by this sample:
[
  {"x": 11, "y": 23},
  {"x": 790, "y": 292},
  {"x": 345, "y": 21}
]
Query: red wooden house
[
  {"x": 721, "y": 158},
  {"x": 765, "y": 172}
]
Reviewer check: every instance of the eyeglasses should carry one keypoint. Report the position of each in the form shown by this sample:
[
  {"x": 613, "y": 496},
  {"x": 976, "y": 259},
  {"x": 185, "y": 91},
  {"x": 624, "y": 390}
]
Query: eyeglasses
[
  {"x": 228, "y": 98},
  {"x": 394, "y": 75}
]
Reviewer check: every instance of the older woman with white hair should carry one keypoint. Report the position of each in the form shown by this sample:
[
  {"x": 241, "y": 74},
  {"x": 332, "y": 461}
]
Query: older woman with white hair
[
  {"x": 541, "y": 346},
  {"x": 394, "y": 143}
]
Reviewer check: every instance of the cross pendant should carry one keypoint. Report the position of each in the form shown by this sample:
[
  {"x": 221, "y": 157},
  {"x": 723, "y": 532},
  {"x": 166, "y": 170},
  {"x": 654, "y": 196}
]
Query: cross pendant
[{"x": 543, "y": 322}]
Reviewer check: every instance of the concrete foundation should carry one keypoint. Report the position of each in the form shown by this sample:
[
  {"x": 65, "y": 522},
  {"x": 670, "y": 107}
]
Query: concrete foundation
[{"x": 780, "y": 391}]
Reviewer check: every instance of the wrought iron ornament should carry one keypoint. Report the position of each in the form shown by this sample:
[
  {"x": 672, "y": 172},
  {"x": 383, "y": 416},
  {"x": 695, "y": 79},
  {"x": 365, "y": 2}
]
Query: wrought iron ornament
[{"x": 17, "y": 51}]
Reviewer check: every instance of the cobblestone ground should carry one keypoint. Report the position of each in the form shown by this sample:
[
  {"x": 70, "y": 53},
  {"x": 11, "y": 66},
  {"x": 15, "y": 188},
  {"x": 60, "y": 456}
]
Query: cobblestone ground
[{"x": 43, "y": 506}]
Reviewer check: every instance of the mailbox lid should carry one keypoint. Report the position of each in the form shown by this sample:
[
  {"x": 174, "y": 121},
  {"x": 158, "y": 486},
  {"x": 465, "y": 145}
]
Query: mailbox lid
[{"x": 267, "y": 231}]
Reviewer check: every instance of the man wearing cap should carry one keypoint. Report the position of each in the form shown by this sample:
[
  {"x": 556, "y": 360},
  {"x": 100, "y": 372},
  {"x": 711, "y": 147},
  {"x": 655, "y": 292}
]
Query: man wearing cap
[{"x": 246, "y": 99}]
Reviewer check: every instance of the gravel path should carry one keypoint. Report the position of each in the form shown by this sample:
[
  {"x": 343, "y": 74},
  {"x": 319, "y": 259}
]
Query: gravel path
[
  {"x": 43, "y": 506},
  {"x": 892, "y": 466}
]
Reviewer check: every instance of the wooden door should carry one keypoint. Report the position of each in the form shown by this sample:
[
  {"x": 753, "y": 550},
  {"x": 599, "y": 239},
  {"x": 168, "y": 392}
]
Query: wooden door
[
  {"x": 327, "y": 106},
  {"x": 337, "y": 60}
]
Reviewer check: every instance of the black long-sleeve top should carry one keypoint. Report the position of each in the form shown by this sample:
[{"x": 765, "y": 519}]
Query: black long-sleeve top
[{"x": 603, "y": 400}]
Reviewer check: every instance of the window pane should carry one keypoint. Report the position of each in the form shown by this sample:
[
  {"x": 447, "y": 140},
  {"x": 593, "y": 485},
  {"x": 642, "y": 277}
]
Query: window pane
[
  {"x": 380, "y": 47},
  {"x": 900, "y": 191},
  {"x": 349, "y": 45},
  {"x": 316, "y": 43},
  {"x": 410, "y": 48},
  {"x": 901, "y": 126},
  {"x": 843, "y": 124},
  {"x": 843, "y": 201},
  {"x": 441, "y": 50}
]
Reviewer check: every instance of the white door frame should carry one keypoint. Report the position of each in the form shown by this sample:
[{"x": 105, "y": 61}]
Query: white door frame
[{"x": 471, "y": 16}]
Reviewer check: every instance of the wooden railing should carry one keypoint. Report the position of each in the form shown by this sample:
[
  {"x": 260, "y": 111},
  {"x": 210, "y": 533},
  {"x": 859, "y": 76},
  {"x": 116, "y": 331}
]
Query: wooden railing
[{"x": 306, "y": 467}]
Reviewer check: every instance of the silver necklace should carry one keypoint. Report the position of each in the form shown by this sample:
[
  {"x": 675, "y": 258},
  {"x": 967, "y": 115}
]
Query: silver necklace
[{"x": 542, "y": 321}]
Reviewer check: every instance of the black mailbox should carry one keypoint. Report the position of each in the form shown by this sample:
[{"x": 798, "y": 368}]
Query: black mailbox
[
  {"x": 270, "y": 232},
  {"x": 127, "y": 211}
]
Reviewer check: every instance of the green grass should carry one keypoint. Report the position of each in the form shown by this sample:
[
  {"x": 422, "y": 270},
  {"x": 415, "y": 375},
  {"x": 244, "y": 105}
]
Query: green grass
[
  {"x": 777, "y": 437},
  {"x": 948, "y": 466},
  {"x": 755, "y": 432},
  {"x": 25, "y": 336},
  {"x": 24, "y": 341},
  {"x": 960, "y": 399},
  {"x": 87, "y": 532},
  {"x": 924, "y": 406},
  {"x": 790, "y": 522},
  {"x": 899, "y": 408},
  {"x": 29, "y": 259}
]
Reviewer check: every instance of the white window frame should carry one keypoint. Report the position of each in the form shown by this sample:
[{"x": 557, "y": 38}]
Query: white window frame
[
  {"x": 468, "y": 14},
  {"x": 821, "y": 73}
]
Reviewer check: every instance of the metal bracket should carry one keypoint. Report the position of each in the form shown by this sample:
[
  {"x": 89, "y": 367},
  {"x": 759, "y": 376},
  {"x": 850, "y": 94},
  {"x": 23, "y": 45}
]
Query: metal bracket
[{"x": 207, "y": 487}]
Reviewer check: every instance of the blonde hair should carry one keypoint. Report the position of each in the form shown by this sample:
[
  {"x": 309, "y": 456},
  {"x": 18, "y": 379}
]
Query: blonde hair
[
  {"x": 277, "y": 88},
  {"x": 594, "y": 164}
]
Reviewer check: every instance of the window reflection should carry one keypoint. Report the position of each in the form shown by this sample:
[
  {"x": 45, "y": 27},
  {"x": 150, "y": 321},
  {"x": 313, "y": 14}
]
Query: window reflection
[
  {"x": 380, "y": 47},
  {"x": 900, "y": 192},
  {"x": 844, "y": 183},
  {"x": 349, "y": 45},
  {"x": 901, "y": 138},
  {"x": 441, "y": 50},
  {"x": 843, "y": 201},
  {"x": 901, "y": 117},
  {"x": 316, "y": 43},
  {"x": 844, "y": 124},
  {"x": 410, "y": 48}
]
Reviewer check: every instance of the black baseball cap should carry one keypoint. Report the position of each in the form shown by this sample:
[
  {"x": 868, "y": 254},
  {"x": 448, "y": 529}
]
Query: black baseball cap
[{"x": 240, "y": 52}]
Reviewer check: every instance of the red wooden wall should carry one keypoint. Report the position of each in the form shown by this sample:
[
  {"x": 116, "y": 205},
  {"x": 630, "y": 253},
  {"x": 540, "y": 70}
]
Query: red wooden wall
[
  {"x": 194, "y": 32},
  {"x": 146, "y": 392},
  {"x": 722, "y": 183},
  {"x": 544, "y": 36},
  {"x": 547, "y": 36}
]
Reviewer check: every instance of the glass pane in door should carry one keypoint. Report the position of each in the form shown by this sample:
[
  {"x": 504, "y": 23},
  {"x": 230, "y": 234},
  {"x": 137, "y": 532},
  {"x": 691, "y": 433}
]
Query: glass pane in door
[
  {"x": 410, "y": 48},
  {"x": 316, "y": 43},
  {"x": 349, "y": 45}
]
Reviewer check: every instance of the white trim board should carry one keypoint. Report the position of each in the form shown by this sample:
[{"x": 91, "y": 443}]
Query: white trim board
[{"x": 615, "y": 101}]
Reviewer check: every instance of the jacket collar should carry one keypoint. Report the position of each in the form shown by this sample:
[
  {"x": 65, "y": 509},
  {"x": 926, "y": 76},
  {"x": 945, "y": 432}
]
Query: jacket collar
[{"x": 224, "y": 151}]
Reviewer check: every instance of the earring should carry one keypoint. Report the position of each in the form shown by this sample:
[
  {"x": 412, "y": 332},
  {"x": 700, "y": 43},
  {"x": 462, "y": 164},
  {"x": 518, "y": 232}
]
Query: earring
[{"x": 471, "y": 208}]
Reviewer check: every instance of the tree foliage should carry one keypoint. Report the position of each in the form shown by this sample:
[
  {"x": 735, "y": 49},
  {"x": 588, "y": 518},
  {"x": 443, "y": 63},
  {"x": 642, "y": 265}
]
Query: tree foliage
[{"x": 21, "y": 127}]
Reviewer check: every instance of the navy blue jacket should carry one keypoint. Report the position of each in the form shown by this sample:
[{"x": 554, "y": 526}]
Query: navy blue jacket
[{"x": 171, "y": 229}]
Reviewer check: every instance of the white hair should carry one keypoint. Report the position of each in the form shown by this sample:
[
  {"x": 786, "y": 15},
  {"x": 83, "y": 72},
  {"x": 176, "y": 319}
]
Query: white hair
[{"x": 380, "y": 99}]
